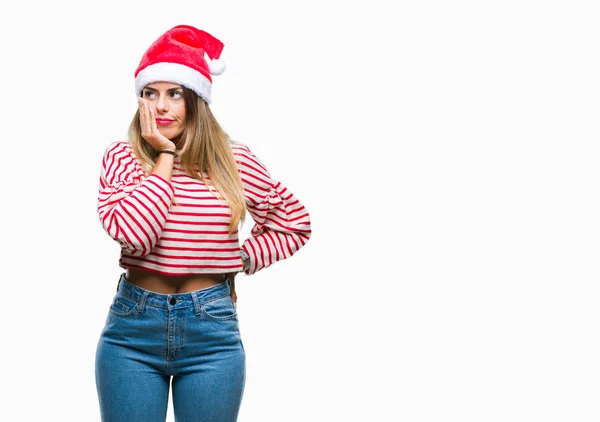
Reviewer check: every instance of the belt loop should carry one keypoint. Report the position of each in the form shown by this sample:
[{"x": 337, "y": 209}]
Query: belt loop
[
  {"x": 197, "y": 304},
  {"x": 142, "y": 302}
]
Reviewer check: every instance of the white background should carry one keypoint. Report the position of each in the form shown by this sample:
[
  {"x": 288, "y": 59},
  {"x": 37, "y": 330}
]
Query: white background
[{"x": 446, "y": 151}]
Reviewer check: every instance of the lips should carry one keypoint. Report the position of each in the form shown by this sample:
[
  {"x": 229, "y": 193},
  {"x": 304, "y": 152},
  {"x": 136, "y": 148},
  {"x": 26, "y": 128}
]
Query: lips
[{"x": 163, "y": 121}]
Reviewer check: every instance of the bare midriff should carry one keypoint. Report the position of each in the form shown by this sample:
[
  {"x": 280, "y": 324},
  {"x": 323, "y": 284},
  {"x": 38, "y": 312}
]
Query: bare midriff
[{"x": 168, "y": 284}]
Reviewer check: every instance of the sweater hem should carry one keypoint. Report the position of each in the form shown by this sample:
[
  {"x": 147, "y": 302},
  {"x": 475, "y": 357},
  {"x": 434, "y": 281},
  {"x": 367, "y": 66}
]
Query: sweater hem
[{"x": 183, "y": 271}]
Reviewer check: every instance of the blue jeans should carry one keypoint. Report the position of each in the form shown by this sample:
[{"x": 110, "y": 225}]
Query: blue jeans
[{"x": 150, "y": 337}]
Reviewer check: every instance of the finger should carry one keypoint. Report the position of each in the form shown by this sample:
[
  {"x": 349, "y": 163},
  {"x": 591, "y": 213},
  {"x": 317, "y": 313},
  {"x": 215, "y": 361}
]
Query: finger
[
  {"x": 233, "y": 294},
  {"x": 147, "y": 116},
  {"x": 153, "y": 126},
  {"x": 144, "y": 116},
  {"x": 141, "y": 111}
]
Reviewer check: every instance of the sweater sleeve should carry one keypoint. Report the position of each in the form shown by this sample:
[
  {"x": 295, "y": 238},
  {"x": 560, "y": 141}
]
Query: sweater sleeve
[
  {"x": 282, "y": 224},
  {"x": 132, "y": 208}
]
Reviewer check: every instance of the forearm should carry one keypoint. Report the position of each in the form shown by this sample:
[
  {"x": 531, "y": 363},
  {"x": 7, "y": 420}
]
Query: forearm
[{"x": 136, "y": 219}]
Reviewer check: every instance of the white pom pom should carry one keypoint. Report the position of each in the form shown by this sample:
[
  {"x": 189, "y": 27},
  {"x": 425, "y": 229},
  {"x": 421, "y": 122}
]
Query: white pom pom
[{"x": 216, "y": 67}]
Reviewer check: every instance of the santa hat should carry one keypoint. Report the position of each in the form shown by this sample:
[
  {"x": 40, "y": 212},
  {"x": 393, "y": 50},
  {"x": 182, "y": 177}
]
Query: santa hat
[{"x": 184, "y": 55}]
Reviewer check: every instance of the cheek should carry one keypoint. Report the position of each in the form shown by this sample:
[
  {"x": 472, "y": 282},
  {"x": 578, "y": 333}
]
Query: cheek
[{"x": 181, "y": 113}]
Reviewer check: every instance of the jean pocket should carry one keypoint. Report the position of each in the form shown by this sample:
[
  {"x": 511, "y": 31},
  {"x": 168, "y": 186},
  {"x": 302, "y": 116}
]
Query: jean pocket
[
  {"x": 122, "y": 305},
  {"x": 220, "y": 309}
]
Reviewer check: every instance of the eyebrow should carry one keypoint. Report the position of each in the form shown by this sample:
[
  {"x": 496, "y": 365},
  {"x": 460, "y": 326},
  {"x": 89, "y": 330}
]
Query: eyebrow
[{"x": 156, "y": 90}]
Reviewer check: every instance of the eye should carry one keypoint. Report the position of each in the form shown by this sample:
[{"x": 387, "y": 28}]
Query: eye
[
  {"x": 148, "y": 94},
  {"x": 176, "y": 94}
]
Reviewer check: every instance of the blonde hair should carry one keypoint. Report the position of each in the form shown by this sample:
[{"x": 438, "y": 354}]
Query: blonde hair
[{"x": 204, "y": 145}]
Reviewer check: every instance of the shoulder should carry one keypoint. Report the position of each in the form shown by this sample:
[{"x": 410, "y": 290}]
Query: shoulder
[
  {"x": 121, "y": 153},
  {"x": 239, "y": 149},
  {"x": 117, "y": 148},
  {"x": 120, "y": 161},
  {"x": 245, "y": 157}
]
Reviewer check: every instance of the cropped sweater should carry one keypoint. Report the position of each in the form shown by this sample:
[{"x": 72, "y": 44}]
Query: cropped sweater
[{"x": 191, "y": 236}]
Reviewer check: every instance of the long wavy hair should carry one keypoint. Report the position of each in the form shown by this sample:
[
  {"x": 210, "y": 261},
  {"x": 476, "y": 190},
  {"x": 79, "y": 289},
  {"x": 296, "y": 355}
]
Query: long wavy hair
[{"x": 204, "y": 145}]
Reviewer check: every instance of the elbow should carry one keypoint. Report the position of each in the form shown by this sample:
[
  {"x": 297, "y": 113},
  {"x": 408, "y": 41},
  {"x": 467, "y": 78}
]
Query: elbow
[
  {"x": 134, "y": 248},
  {"x": 304, "y": 230},
  {"x": 300, "y": 226},
  {"x": 303, "y": 239},
  {"x": 131, "y": 242}
]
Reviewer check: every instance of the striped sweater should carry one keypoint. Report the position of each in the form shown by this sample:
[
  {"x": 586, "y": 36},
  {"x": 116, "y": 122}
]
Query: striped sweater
[{"x": 190, "y": 235}]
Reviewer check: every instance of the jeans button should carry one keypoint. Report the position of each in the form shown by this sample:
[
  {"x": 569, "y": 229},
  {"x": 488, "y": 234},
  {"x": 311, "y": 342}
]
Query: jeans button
[{"x": 172, "y": 301}]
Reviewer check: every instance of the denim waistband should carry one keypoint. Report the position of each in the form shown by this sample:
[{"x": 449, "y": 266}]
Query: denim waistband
[{"x": 172, "y": 300}]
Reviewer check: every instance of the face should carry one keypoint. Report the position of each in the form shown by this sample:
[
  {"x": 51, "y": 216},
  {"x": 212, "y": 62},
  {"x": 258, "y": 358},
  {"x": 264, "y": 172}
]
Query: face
[{"x": 167, "y": 100}]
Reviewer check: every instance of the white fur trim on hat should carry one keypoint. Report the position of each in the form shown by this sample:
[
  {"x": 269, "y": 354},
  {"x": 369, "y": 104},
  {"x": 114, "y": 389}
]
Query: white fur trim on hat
[{"x": 176, "y": 73}]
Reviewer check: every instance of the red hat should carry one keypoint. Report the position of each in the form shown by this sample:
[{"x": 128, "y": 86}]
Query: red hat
[{"x": 184, "y": 55}]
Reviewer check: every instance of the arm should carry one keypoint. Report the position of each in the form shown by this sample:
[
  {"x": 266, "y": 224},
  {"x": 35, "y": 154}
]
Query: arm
[
  {"x": 133, "y": 210},
  {"x": 282, "y": 223}
]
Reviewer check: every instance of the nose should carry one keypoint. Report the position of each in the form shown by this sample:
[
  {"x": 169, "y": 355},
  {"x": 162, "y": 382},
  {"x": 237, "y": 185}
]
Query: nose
[{"x": 162, "y": 104}]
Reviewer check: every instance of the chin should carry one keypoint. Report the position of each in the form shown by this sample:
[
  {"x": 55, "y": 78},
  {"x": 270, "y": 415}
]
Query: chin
[{"x": 168, "y": 134}]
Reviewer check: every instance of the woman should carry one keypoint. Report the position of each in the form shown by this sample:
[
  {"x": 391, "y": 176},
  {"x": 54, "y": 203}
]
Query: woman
[{"x": 173, "y": 196}]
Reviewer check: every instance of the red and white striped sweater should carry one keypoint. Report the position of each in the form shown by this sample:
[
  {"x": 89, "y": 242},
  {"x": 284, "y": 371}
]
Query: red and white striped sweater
[{"x": 192, "y": 236}]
